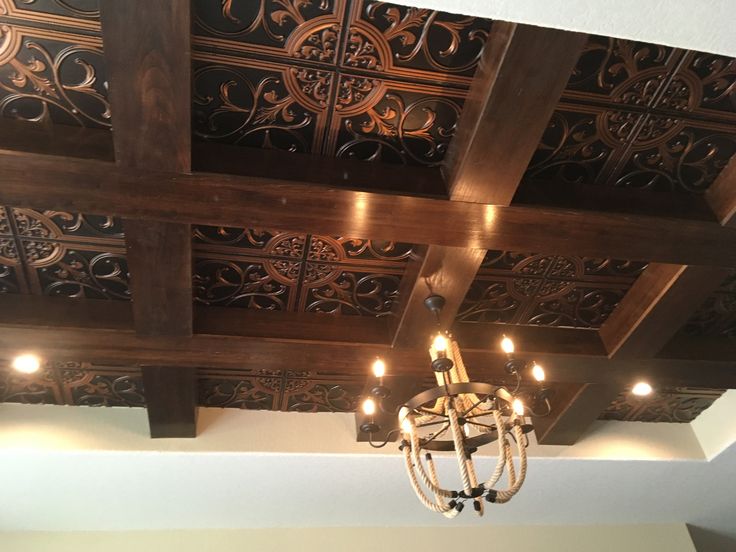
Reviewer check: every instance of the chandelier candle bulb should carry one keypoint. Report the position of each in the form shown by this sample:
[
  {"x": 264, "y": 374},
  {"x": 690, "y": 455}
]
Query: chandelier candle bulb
[
  {"x": 440, "y": 343},
  {"x": 369, "y": 407},
  {"x": 507, "y": 346},
  {"x": 518, "y": 407},
  {"x": 538, "y": 372},
  {"x": 379, "y": 368}
]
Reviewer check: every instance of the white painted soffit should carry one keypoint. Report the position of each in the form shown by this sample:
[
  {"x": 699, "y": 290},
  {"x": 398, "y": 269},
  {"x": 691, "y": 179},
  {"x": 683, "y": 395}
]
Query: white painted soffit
[
  {"x": 703, "y": 25},
  {"x": 74, "y": 468}
]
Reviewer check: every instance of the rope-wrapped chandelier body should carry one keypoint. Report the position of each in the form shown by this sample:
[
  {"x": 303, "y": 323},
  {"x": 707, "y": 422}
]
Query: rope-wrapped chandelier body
[{"x": 459, "y": 416}]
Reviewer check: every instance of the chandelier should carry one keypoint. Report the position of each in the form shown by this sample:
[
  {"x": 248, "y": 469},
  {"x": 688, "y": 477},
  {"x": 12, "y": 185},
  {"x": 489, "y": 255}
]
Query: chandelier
[{"x": 461, "y": 416}]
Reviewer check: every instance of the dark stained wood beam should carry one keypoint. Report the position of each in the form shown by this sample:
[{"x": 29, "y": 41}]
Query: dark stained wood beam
[
  {"x": 574, "y": 408},
  {"x": 91, "y": 186},
  {"x": 519, "y": 80},
  {"x": 512, "y": 96},
  {"x": 721, "y": 195},
  {"x": 659, "y": 303},
  {"x": 173, "y": 412},
  {"x": 715, "y": 369},
  {"x": 147, "y": 52}
]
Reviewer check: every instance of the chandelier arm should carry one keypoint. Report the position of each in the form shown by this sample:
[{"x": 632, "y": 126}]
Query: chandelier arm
[
  {"x": 415, "y": 448},
  {"x": 457, "y": 437},
  {"x": 500, "y": 464},
  {"x": 417, "y": 489}
]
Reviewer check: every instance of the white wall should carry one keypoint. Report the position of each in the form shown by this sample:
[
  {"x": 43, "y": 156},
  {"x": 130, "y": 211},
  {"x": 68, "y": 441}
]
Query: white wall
[{"x": 632, "y": 538}]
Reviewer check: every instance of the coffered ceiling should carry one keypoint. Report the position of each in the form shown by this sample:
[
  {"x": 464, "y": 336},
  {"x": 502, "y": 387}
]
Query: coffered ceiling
[{"x": 360, "y": 80}]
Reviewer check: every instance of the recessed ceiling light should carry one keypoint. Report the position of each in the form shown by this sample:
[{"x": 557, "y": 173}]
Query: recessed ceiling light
[
  {"x": 641, "y": 389},
  {"x": 27, "y": 363}
]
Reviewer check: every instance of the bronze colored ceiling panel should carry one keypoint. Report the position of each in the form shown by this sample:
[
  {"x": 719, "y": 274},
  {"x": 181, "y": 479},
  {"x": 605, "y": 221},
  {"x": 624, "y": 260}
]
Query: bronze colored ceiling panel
[
  {"x": 717, "y": 316},
  {"x": 364, "y": 80},
  {"x": 677, "y": 405},
  {"x": 52, "y": 67},
  {"x": 67, "y": 254},
  {"x": 86, "y": 384},
  {"x": 532, "y": 289},
  {"x": 267, "y": 269},
  {"x": 641, "y": 116}
]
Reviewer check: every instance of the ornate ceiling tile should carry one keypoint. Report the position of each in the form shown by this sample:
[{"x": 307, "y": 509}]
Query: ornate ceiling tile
[
  {"x": 582, "y": 144},
  {"x": 337, "y": 289},
  {"x": 717, "y": 316},
  {"x": 82, "y": 14},
  {"x": 248, "y": 241},
  {"x": 5, "y": 229},
  {"x": 304, "y": 30},
  {"x": 260, "y": 104},
  {"x": 39, "y": 388},
  {"x": 52, "y": 76},
  {"x": 76, "y": 270},
  {"x": 413, "y": 43},
  {"x": 391, "y": 121},
  {"x": 616, "y": 71},
  {"x": 703, "y": 86},
  {"x": 237, "y": 391},
  {"x": 341, "y": 395},
  {"x": 671, "y": 405},
  {"x": 269, "y": 284},
  {"x": 676, "y": 155},
  {"x": 70, "y": 227},
  {"x": 525, "y": 288},
  {"x": 88, "y": 386}
]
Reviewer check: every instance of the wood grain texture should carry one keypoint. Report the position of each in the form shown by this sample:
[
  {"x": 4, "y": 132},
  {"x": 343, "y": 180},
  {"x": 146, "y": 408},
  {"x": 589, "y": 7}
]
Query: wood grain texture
[
  {"x": 721, "y": 195},
  {"x": 659, "y": 303},
  {"x": 147, "y": 50},
  {"x": 88, "y": 186},
  {"x": 159, "y": 258},
  {"x": 519, "y": 80}
]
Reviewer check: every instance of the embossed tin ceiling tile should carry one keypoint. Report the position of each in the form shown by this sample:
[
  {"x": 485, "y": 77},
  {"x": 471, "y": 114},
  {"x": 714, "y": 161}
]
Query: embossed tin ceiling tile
[
  {"x": 82, "y": 14},
  {"x": 5, "y": 229},
  {"x": 413, "y": 43},
  {"x": 617, "y": 71},
  {"x": 582, "y": 144},
  {"x": 38, "y": 388},
  {"x": 717, "y": 316},
  {"x": 336, "y": 289},
  {"x": 303, "y": 30},
  {"x": 533, "y": 265},
  {"x": 70, "y": 227},
  {"x": 102, "y": 388},
  {"x": 494, "y": 300},
  {"x": 357, "y": 251},
  {"x": 254, "y": 283},
  {"x": 671, "y": 405},
  {"x": 704, "y": 85},
  {"x": 12, "y": 279},
  {"x": 248, "y": 241},
  {"x": 392, "y": 122},
  {"x": 572, "y": 305},
  {"x": 246, "y": 392},
  {"x": 676, "y": 155},
  {"x": 52, "y": 76},
  {"x": 301, "y": 395},
  {"x": 76, "y": 270},
  {"x": 260, "y": 104}
]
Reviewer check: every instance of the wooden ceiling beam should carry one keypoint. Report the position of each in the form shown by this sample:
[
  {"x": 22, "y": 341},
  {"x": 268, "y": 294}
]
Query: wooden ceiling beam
[
  {"x": 91, "y": 186},
  {"x": 512, "y": 96},
  {"x": 108, "y": 344},
  {"x": 147, "y": 52},
  {"x": 721, "y": 195}
]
